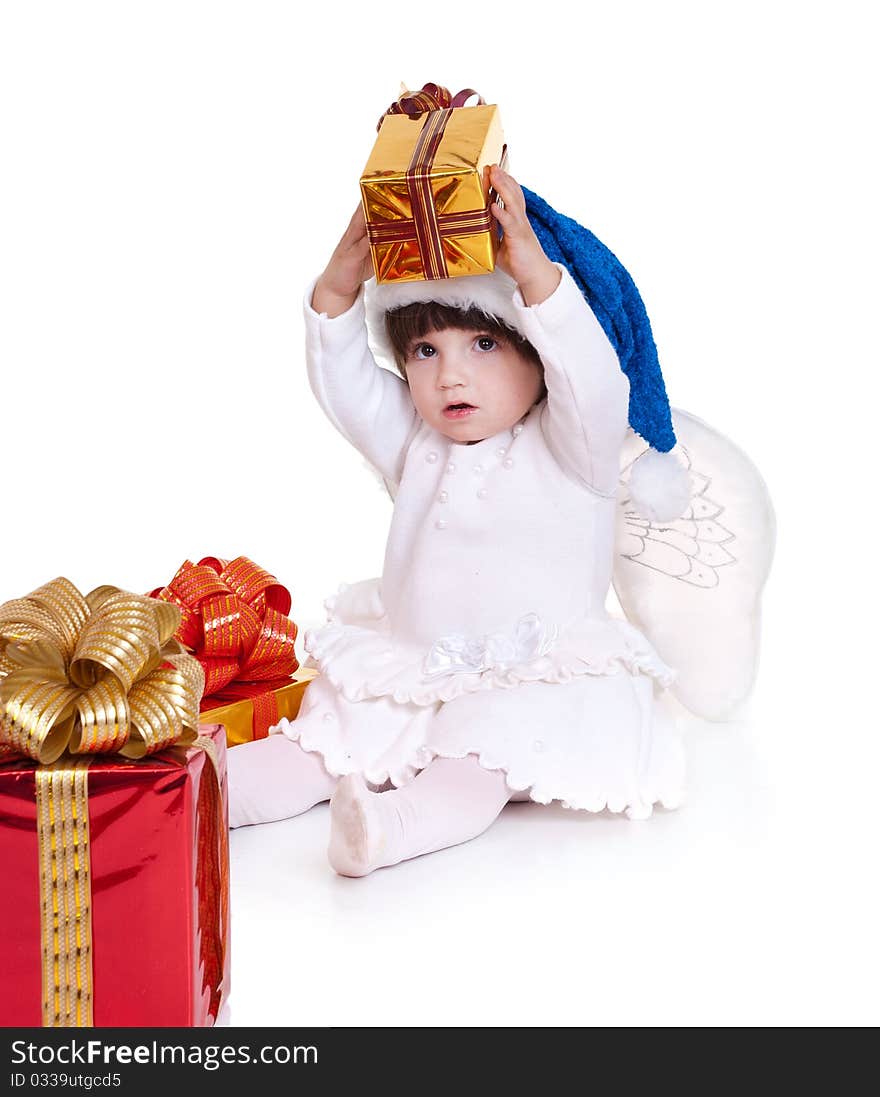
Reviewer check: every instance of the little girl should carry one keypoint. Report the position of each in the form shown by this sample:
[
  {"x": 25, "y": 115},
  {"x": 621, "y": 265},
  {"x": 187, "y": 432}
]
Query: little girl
[{"x": 483, "y": 666}]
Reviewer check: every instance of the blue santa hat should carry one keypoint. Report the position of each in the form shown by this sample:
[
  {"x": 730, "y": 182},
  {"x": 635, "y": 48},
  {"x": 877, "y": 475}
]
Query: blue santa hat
[
  {"x": 659, "y": 485},
  {"x": 613, "y": 297}
]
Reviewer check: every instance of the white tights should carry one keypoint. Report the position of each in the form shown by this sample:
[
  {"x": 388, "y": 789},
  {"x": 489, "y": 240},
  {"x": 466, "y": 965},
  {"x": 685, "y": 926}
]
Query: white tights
[
  {"x": 451, "y": 801},
  {"x": 274, "y": 778}
]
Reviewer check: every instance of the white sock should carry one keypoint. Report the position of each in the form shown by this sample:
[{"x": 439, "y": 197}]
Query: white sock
[{"x": 451, "y": 801}]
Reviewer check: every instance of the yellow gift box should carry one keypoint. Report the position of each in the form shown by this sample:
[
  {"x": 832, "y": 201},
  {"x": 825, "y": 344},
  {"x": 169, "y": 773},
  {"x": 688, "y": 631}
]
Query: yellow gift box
[
  {"x": 238, "y": 718},
  {"x": 426, "y": 195}
]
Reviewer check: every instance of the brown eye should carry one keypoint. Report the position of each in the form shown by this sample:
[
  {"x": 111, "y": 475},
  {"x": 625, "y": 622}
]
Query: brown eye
[
  {"x": 486, "y": 342},
  {"x": 423, "y": 350}
]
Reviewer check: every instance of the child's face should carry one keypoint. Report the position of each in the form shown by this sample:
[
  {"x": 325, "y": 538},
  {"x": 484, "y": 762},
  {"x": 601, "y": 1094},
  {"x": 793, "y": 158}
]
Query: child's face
[{"x": 470, "y": 386}]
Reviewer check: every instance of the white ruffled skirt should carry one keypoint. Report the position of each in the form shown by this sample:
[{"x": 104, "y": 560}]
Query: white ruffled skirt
[{"x": 569, "y": 716}]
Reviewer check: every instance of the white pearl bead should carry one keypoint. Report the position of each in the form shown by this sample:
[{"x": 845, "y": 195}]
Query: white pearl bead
[
  {"x": 440, "y": 524},
  {"x": 478, "y": 469},
  {"x": 328, "y": 717},
  {"x": 482, "y": 493},
  {"x": 517, "y": 429},
  {"x": 443, "y": 496},
  {"x": 501, "y": 452},
  {"x": 450, "y": 467},
  {"x": 508, "y": 463},
  {"x": 431, "y": 458}
]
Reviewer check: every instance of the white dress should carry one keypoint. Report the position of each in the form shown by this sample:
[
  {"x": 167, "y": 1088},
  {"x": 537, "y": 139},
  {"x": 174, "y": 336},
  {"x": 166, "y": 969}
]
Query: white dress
[{"x": 487, "y": 633}]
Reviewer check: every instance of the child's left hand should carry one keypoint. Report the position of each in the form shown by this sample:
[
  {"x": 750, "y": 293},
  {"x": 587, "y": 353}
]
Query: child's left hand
[{"x": 521, "y": 254}]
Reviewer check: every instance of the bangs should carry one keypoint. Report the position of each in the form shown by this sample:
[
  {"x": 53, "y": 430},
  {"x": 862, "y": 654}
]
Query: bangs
[{"x": 411, "y": 322}]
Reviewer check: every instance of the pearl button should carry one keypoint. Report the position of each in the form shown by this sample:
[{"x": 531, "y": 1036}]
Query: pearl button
[
  {"x": 538, "y": 745},
  {"x": 443, "y": 496},
  {"x": 501, "y": 452},
  {"x": 482, "y": 493},
  {"x": 328, "y": 717},
  {"x": 517, "y": 429},
  {"x": 440, "y": 524},
  {"x": 508, "y": 462},
  {"x": 431, "y": 458},
  {"x": 450, "y": 467},
  {"x": 478, "y": 469}
]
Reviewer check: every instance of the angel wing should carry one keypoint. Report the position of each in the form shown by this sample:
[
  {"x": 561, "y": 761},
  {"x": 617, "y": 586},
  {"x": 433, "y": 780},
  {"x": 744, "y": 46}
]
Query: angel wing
[{"x": 693, "y": 586}]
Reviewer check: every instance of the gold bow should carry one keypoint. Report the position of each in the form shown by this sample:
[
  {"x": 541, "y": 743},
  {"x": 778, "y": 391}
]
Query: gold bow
[{"x": 94, "y": 675}]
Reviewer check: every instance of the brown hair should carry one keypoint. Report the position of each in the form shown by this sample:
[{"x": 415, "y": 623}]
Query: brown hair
[{"x": 410, "y": 322}]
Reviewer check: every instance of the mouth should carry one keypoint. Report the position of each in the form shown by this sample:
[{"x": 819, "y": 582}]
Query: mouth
[{"x": 458, "y": 411}]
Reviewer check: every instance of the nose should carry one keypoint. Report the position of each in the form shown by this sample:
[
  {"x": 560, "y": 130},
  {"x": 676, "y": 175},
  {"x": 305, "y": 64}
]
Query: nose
[{"x": 450, "y": 371}]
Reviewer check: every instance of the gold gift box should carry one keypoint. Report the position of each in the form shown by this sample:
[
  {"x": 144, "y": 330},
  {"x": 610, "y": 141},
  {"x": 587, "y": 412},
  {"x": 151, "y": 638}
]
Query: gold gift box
[
  {"x": 238, "y": 717},
  {"x": 426, "y": 196}
]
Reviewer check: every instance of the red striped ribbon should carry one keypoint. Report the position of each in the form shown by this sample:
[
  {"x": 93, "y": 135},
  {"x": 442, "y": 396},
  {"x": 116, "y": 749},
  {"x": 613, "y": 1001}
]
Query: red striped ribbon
[{"x": 421, "y": 195}]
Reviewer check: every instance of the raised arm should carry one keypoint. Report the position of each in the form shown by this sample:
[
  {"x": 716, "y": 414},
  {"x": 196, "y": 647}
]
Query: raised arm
[
  {"x": 368, "y": 405},
  {"x": 586, "y": 416}
]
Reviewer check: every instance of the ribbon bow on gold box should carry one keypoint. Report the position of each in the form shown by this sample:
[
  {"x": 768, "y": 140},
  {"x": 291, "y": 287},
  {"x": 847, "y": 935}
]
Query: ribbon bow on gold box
[
  {"x": 425, "y": 188},
  {"x": 234, "y": 619}
]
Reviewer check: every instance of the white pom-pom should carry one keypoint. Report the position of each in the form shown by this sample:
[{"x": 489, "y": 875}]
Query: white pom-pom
[{"x": 659, "y": 486}]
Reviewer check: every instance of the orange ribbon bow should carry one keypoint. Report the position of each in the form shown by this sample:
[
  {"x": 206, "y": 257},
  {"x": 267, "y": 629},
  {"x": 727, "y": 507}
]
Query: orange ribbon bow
[{"x": 234, "y": 618}]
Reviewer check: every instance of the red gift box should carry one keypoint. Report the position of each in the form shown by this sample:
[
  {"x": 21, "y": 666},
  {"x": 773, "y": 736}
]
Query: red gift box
[{"x": 139, "y": 850}]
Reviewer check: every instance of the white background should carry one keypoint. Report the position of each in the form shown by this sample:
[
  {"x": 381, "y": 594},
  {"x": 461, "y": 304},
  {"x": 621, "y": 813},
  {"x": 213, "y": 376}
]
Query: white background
[{"x": 172, "y": 176}]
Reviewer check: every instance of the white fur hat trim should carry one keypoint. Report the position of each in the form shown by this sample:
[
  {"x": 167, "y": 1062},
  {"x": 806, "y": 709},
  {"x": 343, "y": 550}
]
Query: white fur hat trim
[{"x": 492, "y": 293}]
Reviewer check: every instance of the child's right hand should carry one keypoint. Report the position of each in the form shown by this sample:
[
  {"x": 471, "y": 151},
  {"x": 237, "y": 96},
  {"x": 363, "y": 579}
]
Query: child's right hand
[{"x": 350, "y": 265}]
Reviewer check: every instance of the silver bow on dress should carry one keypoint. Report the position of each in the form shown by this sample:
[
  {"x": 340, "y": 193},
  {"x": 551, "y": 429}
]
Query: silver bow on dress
[{"x": 460, "y": 654}]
